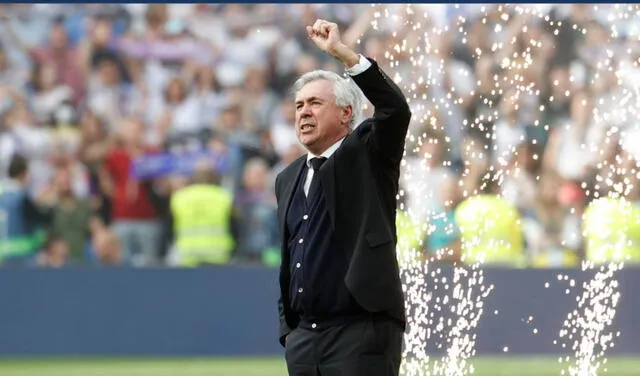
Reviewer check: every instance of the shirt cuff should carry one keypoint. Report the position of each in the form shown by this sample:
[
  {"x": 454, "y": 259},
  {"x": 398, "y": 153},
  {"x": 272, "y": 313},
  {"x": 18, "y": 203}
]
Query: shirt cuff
[{"x": 362, "y": 66}]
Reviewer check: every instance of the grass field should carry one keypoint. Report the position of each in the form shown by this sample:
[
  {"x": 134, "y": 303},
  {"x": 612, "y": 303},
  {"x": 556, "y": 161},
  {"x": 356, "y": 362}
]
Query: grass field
[{"x": 266, "y": 367}]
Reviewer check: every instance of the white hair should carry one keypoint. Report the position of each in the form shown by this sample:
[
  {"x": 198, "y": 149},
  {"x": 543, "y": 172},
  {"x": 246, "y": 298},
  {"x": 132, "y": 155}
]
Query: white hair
[{"x": 346, "y": 91}]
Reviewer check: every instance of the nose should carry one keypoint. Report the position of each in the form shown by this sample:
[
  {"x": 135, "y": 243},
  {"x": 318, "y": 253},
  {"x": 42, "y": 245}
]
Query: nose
[{"x": 305, "y": 111}]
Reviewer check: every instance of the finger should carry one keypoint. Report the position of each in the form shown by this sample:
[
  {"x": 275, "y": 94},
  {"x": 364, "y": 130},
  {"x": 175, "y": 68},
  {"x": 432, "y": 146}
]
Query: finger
[
  {"x": 313, "y": 34},
  {"x": 325, "y": 28},
  {"x": 331, "y": 27},
  {"x": 317, "y": 25}
]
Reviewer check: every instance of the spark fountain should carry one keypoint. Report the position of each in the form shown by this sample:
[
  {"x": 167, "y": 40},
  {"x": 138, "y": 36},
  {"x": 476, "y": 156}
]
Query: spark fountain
[
  {"x": 444, "y": 308},
  {"x": 589, "y": 325}
]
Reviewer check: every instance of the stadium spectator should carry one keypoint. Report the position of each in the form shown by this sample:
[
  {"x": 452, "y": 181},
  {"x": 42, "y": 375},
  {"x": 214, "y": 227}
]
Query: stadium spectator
[
  {"x": 208, "y": 93},
  {"x": 490, "y": 227},
  {"x": 244, "y": 143},
  {"x": 94, "y": 146},
  {"x": 182, "y": 112},
  {"x": 105, "y": 245},
  {"x": 55, "y": 254},
  {"x": 65, "y": 59},
  {"x": 255, "y": 213},
  {"x": 546, "y": 224},
  {"x": 10, "y": 75},
  {"x": 282, "y": 132},
  {"x": 109, "y": 95},
  {"x": 520, "y": 187},
  {"x": 611, "y": 228},
  {"x": 476, "y": 156},
  {"x": 22, "y": 219},
  {"x": 424, "y": 174},
  {"x": 575, "y": 142},
  {"x": 443, "y": 236},
  {"x": 48, "y": 94},
  {"x": 134, "y": 218},
  {"x": 202, "y": 220},
  {"x": 70, "y": 217}
]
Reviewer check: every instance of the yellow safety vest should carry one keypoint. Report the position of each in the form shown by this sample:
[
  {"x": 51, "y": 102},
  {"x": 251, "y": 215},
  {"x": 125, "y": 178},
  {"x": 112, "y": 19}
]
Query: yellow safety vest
[
  {"x": 201, "y": 222},
  {"x": 409, "y": 248},
  {"x": 556, "y": 258},
  {"x": 612, "y": 230},
  {"x": 491, "y": 231}
]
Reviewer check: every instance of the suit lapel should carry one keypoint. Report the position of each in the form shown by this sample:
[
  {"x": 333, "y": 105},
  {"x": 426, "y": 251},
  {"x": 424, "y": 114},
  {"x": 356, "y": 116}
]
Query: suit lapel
[
  {"x": 293, "y": 176},
  {"x": 328, "y": 175}
]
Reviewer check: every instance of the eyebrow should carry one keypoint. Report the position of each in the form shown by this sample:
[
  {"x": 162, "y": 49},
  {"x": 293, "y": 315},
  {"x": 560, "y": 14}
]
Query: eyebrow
[{"x": 309, "y": 99}]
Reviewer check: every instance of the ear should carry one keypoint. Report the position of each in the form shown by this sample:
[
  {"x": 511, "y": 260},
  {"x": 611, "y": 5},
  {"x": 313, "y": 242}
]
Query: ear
[{"x": 346, "y": 114}]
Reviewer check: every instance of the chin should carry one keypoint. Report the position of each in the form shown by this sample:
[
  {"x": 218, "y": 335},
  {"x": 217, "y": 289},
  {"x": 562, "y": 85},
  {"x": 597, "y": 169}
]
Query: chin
[{"x": 308, "y": 141}]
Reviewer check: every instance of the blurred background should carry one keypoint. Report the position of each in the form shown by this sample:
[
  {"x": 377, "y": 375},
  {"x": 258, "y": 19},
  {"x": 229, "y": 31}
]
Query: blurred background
[
  {"x": 107, "y": 111},
  {"x": 148, "y": 136}
]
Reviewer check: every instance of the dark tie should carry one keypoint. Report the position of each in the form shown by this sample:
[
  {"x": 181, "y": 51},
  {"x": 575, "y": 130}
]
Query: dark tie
[{"x": 316, "y": 163}]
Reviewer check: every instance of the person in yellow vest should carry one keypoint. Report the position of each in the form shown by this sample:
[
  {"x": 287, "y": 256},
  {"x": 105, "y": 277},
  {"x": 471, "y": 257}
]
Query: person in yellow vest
[
  {"x": 409, "y": 248},
  {"x": 611, "y": 228},
  {"x": 490, "y": 227},
  {"x": 202, "y": 221}
]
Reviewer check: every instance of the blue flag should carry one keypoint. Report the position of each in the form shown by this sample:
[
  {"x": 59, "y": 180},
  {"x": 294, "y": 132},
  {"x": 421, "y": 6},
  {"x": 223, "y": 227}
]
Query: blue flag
[{"x": 152, "y": 166}]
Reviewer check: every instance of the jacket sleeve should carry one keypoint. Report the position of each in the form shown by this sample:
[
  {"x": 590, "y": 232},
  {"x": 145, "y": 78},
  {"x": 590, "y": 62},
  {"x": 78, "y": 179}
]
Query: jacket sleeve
[
  {"x": 284, "y": 327},
  {"x": 391, "y": 112}
]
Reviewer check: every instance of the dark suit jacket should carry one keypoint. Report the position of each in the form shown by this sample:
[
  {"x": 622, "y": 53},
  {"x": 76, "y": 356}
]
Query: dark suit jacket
[{"x": 360, "y": 183}]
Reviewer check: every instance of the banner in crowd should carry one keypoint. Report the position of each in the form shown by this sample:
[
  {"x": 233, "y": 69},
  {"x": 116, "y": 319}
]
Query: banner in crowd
[{"x": 152, "y": 166}]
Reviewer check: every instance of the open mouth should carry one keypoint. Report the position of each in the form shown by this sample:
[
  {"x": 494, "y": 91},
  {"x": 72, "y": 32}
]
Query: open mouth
[{"x": 306, "y": 127}]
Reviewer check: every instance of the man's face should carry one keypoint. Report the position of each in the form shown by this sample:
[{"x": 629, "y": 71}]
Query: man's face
[
  {"x": 319, "y": 120},
  {"x": 109, "y": 73},
  {"x": 63, "y": 181},
  {"x": 58, "y": 37},
  {"x": 131, "y": 131}
]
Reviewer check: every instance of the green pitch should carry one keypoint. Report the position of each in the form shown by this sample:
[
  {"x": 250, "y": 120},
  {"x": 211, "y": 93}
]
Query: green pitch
[{"x": 266, "y": 367}]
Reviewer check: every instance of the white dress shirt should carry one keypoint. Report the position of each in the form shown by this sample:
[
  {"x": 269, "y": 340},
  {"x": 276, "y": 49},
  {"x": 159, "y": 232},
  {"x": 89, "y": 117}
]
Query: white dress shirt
[
  {"x": 362, "y": 66},
  {"x": 310, "y": 172}
]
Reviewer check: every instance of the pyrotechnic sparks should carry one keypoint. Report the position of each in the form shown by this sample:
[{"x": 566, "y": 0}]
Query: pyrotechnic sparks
[
  {"x": 587, "y": 329},
  {"x": 502, "y": 72}
]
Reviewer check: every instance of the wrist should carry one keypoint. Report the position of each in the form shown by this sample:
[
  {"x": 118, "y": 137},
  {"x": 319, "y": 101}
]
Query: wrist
[{"x": 345, "y": 55}]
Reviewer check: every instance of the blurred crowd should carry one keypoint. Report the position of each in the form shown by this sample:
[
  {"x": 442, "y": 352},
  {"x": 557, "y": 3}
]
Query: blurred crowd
[{"x": 151, "y": 134}]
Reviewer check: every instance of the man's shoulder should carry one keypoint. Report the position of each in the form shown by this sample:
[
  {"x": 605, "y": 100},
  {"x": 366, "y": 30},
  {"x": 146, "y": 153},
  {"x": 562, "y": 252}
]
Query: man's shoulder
[
  {"x": 364, "y": 127},
  {"x": 361, "y": 132},
  {"x": 291, "y": 169}
]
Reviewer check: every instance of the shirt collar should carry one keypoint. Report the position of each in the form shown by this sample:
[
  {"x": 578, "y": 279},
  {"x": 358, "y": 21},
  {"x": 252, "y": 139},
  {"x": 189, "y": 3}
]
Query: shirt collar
[{"x": 327, "y": 153}]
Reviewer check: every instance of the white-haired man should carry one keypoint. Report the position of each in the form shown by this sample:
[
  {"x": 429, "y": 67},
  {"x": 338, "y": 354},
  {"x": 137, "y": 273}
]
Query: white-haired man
[{"x": 341, "y": 304}]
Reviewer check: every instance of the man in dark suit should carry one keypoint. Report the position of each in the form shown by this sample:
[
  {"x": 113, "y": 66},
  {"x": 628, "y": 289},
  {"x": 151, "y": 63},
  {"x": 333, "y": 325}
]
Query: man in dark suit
[{"x": 341, "y": 305}]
